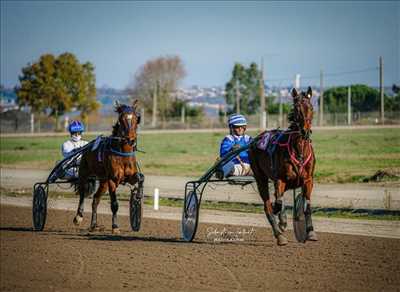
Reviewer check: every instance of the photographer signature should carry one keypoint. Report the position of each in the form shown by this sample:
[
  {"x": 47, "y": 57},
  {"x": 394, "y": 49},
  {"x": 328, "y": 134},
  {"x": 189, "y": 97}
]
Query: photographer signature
[{"x": 226, "y": 235}]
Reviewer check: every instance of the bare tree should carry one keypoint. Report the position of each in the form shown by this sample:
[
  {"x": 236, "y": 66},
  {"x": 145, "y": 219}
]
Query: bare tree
[{"x": 155, "y": 84}]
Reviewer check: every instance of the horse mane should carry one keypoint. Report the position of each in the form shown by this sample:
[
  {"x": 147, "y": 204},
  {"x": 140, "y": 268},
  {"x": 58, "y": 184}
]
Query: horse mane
[
  {"x": 118, "y": 108},
  {"x": 293, "y": 118},
  {"x": 115, "y": 129}
]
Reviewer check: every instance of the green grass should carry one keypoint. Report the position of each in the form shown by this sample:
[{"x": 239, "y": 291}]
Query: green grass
[{"x": 342, "y": 155}]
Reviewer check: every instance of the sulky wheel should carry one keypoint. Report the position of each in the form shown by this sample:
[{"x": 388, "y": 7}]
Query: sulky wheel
[
  {"x": 136, "y": 208},
  {"x": 39, "y": 207},
  {"x": 299, "y": 217},
  {"x": 190, "y": 216}
]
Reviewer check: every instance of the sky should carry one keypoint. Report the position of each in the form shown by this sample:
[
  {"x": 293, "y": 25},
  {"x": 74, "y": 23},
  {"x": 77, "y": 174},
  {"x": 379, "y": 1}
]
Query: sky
[{"x": 344, "y": 39}]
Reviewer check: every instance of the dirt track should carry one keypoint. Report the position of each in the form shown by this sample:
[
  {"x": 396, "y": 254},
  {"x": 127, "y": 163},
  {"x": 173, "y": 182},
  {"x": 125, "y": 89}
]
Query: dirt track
[{"x": 64, "y": 257}]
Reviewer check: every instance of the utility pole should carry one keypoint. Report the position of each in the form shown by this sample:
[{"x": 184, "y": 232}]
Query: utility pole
[
  {"x": 263, "y": 113},
  {"x": 154, "y": 116},
  {"x": 297, "y": 81},
  {"x": 321, "y": 99},
  {"x": 381, "y": 90},
  {"x": 349, "y": 106},
  {"x": 237, "y": 97},
  {"x": 183, "y": 114},
  {"x": 280, "y": 110},
  {"x": 142, "y": 117}
]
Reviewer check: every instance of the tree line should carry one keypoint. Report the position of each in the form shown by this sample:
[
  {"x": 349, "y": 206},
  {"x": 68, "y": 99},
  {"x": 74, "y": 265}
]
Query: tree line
[
  {"x": 55, "y": 85},
  {"x": 245, "y": 82}
]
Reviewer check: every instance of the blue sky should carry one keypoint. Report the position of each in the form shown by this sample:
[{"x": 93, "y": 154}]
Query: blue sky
[{"x": 292, "y": 37}]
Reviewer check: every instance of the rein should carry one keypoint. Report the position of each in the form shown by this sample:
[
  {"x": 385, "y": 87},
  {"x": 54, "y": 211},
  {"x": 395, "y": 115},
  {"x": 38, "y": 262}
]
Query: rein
[
  {"x": 120, "y": 153},
  {"x": 123, "y": 154}
]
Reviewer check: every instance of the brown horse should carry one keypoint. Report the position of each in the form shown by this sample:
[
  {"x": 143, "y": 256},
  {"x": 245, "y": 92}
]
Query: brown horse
[
  {"x": 113, "y": 162},
  {"x": 289, "y": 161}
]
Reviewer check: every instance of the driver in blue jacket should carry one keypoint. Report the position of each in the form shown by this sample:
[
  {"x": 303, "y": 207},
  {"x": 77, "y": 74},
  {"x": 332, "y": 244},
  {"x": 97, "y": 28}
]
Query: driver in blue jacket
[{"x": 240, "y": 165}]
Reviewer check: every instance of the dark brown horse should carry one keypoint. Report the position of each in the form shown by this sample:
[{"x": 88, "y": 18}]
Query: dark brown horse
[
  {"x": 113, "y": 162},
  {"x": 289, "y": 161}
]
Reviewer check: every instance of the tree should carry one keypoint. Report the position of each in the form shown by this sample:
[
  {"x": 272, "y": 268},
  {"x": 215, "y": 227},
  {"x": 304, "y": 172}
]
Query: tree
[
  {"x": 58, "y": 84},
  {"x": 247, "y": 82},
  {"x": 273, "y": 106},
  {"x": 156, "y": 82},
  {"x": 392, "y": 103},
  {"x": 196, "y": 113},
  {"x": 363, "y": 98}
]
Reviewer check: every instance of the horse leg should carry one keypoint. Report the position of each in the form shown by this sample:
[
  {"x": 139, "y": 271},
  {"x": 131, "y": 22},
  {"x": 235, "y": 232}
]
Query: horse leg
[
  {"x": 279, "y": 206},
  {"x": 112, "y": 187},
  {"x": 96, "y": 200},
  {"x": 307, "y": 188},
  {"x": 82, "y": 191},
  {"x": 262, "y": 185}
]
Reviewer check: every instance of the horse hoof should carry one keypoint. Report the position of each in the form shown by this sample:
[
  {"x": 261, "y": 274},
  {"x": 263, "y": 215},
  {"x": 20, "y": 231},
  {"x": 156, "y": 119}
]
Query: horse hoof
[
  {"x": 281, "y": 240},
  {"x": 116, "y": 231},
  {"x": 312, "y": 236},
  {"x": 96, "y": 228},
  {"x": 78, "y": 220}
]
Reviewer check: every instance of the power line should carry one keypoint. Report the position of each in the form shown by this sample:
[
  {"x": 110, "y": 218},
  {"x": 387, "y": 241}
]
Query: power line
[{"x": 335, "y": 74}]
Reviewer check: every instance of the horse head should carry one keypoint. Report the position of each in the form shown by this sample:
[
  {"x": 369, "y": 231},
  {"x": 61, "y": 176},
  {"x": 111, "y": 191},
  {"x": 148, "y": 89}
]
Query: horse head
[
  {"x": 302, "y": 113},
  {"x": 128, "y": 121}
]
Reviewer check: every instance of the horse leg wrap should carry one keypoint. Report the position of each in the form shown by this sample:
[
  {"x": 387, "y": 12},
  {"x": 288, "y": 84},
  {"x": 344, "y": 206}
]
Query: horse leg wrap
[
  {"x": 278, "y": 206},
  {"x": 282, "y": 218},
  {"x": 140, "y": 178},
  {"x": 114, "y": 207},
  {"x": 272, "y": 221},
  {"x": 308, "y": 212}
]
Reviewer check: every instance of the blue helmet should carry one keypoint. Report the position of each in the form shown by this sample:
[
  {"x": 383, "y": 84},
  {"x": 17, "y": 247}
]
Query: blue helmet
[
  {"x": 237, "y": 120},
  {"x": 76, "y": 126}
]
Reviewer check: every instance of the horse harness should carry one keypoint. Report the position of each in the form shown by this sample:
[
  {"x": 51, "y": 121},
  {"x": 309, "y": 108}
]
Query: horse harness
[
  {"x": 105, "y": 144},
  {"x": 295, "y": 158}
]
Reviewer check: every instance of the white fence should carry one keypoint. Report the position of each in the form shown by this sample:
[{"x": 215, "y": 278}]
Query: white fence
[{"x": 23, "y": 123}]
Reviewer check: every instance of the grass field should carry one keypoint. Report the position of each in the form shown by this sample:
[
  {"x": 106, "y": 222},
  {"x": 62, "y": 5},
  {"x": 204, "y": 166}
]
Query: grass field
[{"x": 342, "y": 155}]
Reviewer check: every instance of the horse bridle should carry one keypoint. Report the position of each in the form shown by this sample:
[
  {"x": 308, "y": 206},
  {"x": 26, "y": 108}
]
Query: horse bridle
[
  {"x": 301, "y": 117},
  {"x": 127, "y": 125}
]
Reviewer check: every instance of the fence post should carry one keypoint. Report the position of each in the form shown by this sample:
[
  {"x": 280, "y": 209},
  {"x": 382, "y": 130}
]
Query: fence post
[
  {"x": 32, "y": 123},
  {"x": 381, "y": 90},
  {"x": 183, "y": 114},
  {"x": 66, "y": 123},
  {"x": 321, "y": 99},
  {"x": 349, "y": 106},
  {"x": 280, "y": 111},
  {"x": 237, "y": 97}
]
